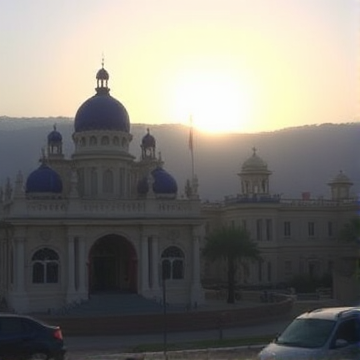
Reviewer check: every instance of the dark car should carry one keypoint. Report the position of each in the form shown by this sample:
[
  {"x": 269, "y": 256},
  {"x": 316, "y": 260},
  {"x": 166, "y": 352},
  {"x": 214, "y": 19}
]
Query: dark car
[{"x": 25, "y": 338}]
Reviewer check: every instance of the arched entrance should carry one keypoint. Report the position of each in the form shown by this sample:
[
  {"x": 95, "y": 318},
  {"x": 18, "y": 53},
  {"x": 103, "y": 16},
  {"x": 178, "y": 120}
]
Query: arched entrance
[{"x": 112, "y": 265}]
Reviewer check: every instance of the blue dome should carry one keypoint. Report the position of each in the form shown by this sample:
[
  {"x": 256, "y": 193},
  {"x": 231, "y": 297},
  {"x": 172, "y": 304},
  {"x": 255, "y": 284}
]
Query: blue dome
[
  {"x": 102, "y": 112},
  {"x": 164, "y": 183},
  {"x": 44, "y": 180},
  {"x": 54, "y": 136},
  {"x": 148, "y": 140}
]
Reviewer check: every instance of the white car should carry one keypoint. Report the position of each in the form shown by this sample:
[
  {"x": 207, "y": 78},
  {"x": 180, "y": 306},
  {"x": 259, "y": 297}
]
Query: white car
[{"x": 327, "y": 333}]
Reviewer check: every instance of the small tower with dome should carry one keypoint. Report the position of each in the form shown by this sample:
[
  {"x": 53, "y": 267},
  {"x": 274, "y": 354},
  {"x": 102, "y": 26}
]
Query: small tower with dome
[
  {"x": 254, "y": 176},
  {"x": 54, "y": 144},
  {"x": 340, "y": 187}
]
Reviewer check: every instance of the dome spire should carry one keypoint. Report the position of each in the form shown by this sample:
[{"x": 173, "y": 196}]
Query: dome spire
[{"x": 102, "y": 78}]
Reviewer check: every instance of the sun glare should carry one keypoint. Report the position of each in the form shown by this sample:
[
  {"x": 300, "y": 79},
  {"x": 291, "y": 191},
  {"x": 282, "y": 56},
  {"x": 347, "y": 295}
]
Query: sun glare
[{"x": 217, "y": 102}]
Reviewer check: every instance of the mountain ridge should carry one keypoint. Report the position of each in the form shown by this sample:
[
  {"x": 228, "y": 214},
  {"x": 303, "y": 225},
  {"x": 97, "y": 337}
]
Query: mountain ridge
[{"x": 301, "y": 158}]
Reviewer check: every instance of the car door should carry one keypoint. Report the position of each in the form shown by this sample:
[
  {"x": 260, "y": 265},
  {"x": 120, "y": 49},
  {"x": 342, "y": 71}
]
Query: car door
[{"x": 11, "y": 337}]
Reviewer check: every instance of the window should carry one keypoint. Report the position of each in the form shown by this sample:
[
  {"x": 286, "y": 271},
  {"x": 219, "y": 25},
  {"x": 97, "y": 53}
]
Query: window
[
  {"x": 108, "y": 182},
  {"x": 311, "y": 228},
  {"x": 105, "y": 140},
  {"x": 330, "y": 229},
  {"x": 348, "y": 330},
  {"x": 260, "y": 270},
  {"x": 172, "y": 260},
  {"x": 287, "y": 228},
  {"x": 288, "y": 268},
  {"x": 268, "y": 229},
  {"x": 259, "y": 229},
  {"x": 244, "y": 224},
  {"x": 269, "y": 275},
  {"x": 93, "y": 140},
  {"x": 93, "y": 182},
  {"x": 45, "y": 267}
]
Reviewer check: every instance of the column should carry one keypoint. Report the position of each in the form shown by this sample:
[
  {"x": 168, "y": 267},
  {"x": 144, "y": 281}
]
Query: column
[
  {"x": 82, "y": 270},
  {"x": 144, "y": 265},
  {"x": 71, "y": 292},
  {"x": 19, "y": 265},
  {"x": 19, "y": 299},
  {"x": 197, "y": 296},
  {"x": 155, "y": 265}
]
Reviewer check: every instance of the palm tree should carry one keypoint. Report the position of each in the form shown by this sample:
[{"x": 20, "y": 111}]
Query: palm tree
[
  {"x": 233, "y": 244},
  {"x": 351, "y": 231}
]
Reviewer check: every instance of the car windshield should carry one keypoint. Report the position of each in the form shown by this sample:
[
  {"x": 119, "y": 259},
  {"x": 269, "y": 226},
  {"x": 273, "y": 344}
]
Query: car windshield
[{"x": 306, "y": 333}]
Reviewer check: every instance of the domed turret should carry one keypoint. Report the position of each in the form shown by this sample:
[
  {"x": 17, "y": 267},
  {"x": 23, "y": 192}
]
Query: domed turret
[
  {"x": 148, "y": 146},
  {"x": 254, "y": 163},
  {"x": 102, "y": 111},
  {"x": 340, "y": 187},
  {"x": 254, "y": 176},
  {"x": 162, "y": 183},
  {"x": 54, "y": 136},
  {"x": 43, "y": 180},
  {"x": 54, "y": 143}
]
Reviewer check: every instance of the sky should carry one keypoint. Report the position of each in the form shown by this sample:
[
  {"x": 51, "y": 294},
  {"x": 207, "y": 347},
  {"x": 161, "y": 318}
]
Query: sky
[{"x": 230, "y": 65}]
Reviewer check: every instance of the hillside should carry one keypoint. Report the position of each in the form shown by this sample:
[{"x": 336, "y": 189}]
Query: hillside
[{"x": 301, "y": 159}]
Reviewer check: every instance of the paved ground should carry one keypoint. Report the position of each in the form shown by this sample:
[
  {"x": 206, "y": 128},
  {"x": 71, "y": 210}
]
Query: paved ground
[{"x": 117, "y": 347}]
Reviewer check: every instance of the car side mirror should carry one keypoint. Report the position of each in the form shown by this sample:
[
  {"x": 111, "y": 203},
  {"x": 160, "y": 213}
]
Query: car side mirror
[{"x": 340, "y": 343}]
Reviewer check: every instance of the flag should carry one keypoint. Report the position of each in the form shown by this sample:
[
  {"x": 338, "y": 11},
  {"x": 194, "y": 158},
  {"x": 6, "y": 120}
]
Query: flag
[
  {"x": 191, "y": 136},
  {"x": 191, "y": 139}
]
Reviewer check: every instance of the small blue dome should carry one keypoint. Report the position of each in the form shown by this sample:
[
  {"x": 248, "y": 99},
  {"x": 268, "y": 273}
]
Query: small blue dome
[
  {"x": 44, "y": 180},
  {"x": 54, "y": 136},
  {"x": 148, "y": 140},
  {"x": 164, "y": 183}
]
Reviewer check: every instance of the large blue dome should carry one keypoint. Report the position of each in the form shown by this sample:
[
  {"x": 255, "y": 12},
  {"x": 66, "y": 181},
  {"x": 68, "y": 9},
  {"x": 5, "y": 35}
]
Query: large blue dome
[
  {"x": 44, "y": 180},
  {"x": 102, "y": 111},
  {"x": 163, "y": 183}
]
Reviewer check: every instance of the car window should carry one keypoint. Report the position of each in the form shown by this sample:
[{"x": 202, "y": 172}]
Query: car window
[
  {"x": 348, "y": 330},
  {"x": 307, "y": 333},
  {"x": 10, "y": 326}
]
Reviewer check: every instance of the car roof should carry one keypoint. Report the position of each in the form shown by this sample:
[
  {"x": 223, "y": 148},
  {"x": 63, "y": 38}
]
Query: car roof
[
  {"x": 14, "y": 315},
  {"x": 330, "y": 313}
]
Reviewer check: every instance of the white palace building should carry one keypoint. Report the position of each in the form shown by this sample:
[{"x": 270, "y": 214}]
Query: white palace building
[
  {"x": 99, "y": 221},
  {"x": 103, "y": 220}
]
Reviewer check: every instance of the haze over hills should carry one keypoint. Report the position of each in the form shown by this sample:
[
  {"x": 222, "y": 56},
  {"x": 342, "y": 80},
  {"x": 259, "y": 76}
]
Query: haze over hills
[{"x": 301, "y": 159}]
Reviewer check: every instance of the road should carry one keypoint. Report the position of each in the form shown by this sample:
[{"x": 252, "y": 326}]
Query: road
[{"x": 101, "y": 347}]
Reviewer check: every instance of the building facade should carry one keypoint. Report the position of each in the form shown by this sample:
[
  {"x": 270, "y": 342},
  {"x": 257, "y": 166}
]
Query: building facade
[
  {"x": 103, "y": 220},
  {"x": 98, "y": 221},
  {"x": 295, "y": 236}
]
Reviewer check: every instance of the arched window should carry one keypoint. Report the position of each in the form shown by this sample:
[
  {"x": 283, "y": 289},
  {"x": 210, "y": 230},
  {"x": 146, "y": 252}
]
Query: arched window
[
  {"x": 45, "y": 267},
  {"x": 105, "y": 140},
  {"x": 108, "y": 182},
  {"x": 172, "y": 261},
  {"x": 93, "y": 140},
  {"x": 116, "y": 140}
]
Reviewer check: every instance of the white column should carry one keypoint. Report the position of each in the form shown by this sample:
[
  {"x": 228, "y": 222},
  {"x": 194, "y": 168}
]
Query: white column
[
  {"x": 82, "y": 270},
  {"x": 19, "y": 299},
  {"x": 71, "y": 292},
  {"x": 197, "y": 296},
  {"x": 155, "y": 265},
  {"x": 144, "y": 265},
  {"x": 20, "y": 265}
]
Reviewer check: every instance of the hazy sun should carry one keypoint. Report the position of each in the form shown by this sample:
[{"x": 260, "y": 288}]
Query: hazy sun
[{"x": 216, "y": 101}]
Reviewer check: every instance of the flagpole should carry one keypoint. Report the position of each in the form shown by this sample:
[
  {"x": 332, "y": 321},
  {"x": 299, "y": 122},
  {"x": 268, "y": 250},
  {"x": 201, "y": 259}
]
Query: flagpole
[{"x": 191, "y": 147}]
